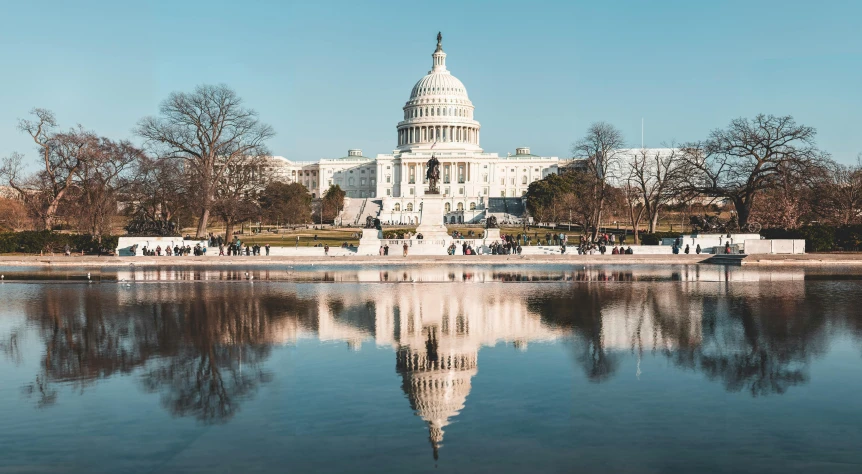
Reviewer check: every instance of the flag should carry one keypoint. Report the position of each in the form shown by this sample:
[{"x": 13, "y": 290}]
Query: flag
[{"x": 433, "y": 144}]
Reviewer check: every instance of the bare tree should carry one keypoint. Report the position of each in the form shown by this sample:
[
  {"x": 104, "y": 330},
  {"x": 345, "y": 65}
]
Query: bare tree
[
  {"x": 160, "y": 189},
  {"x": 654, "y": 176},
  {"x": 62, "y": 155},
  {"x": 98, "y": 181},
  {"x": 838, "y": 197},
  {"x": 236, "y": 193},
  {"x": 749, "y": 156},
  {"x": 211, "y": 131},
  {"x": 601, "y": 147}
]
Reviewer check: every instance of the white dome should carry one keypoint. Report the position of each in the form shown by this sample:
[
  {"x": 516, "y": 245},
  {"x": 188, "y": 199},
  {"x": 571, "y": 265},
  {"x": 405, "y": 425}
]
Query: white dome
[
  {"x": 439, "y": 112},
  {"x": 439, "y": 84}
]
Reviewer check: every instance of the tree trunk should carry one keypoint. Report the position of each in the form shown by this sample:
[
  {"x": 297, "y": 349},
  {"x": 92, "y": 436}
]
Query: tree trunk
[
  {"x": 653, "y": 221},
  {"x": 228, "y": 230},
  {"x": 202, "y": 223},
  {"x": 743, "y": 210}
]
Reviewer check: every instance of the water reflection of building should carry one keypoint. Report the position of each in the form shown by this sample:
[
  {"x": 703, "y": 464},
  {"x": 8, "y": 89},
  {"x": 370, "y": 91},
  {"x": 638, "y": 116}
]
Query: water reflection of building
[{"x": 182, "y": 333}]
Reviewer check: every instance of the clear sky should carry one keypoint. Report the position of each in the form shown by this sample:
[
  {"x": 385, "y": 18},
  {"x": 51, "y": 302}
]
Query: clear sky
[{"x": 329, "y": 76}]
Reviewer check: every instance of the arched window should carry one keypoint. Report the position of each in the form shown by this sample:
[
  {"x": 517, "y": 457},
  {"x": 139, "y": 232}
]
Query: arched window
[
  {"x": 472, "y": 206},
  {"x": 350, "y": 181},
  {"x": 409, "y": 207},
  {"x": 460, "y": 206},
  {"x": 447, "y": 207},
  {"x": 397, "y": 207},
  {"x": 444, "y": 220}
]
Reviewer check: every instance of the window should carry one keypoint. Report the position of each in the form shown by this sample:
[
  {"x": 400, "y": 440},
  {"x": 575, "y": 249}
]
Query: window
[
  {"x": 387, "y": 167},
  {"x": 389, "y": 192},
  {"x": 447, "y": 208},
  {"x": 363, "y": 171},
  {"x": 409, "y": 207},
  {"x": 485, "y": 178},
  {"x": 373, "y": 182},
  {"x": 472, "y": 206},
  {"x": 503, "y": 193},
  {"x": 350, "y": 182},
  {"x": 460, "y": 206},
  {"x": 461, "y": 192},
  {"x": 502, "y": 181},
  {"x": 388, "y": 179},
  {"x": 397, "y": 207},
  {"x": 362, "y": 182},
  {"x": 524, "y": 179},
  {"x": 412, "y": 191},
  {"x": 485, "y": 192},
  {"x": 512, "y": 180},
  {"x": 445, "y": 190},
  {"x": 330, "y": 182}
]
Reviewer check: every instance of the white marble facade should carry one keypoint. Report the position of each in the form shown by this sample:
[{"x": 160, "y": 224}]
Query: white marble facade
[{"x": 438, "y": 119}]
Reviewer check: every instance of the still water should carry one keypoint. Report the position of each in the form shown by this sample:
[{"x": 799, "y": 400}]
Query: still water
[{"x": 431, "y": 369}]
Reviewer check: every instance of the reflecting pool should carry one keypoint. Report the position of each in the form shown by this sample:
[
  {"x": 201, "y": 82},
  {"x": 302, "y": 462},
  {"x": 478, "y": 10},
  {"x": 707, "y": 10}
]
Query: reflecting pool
[{"x": 499, "y": 368}]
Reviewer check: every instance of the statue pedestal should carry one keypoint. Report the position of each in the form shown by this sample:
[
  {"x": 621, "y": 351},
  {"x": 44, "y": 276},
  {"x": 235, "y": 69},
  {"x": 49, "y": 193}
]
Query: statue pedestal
[
  {"x": 369, "y": 243},
  {"x": 492, "y": 234},
  {"x": 432, "y": 226}
]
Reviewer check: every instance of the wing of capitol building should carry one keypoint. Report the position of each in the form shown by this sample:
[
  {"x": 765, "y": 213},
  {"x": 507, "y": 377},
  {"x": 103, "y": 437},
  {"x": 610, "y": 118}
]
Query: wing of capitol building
[{"x": 438, "y": 119}]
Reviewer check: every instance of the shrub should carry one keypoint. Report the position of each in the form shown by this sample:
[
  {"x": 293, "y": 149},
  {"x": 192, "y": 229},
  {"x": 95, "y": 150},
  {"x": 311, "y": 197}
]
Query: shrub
[
  {"x": 43, "y": 240},
  {"x": 821, "y": 238},
  {"x": 655, "y": 239}
]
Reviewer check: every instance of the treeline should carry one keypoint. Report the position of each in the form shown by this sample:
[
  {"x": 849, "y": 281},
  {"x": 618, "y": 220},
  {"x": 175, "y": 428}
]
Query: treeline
[
  {"x": 203, "y": 158},
  {"x": 766, "y": 170}
]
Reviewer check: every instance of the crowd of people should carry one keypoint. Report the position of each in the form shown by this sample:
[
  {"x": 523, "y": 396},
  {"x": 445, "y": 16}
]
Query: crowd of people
[{"x": 169, "y": 251}]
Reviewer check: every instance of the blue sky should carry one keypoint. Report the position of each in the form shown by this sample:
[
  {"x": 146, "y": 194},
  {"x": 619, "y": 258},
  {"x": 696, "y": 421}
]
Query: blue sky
[{"x": 329, "y": 76}]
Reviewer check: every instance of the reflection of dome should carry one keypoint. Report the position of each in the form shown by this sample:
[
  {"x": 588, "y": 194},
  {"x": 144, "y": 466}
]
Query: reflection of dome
[
  {"x": 437, "y": 385},
  {"x": 439, "y": 111}
]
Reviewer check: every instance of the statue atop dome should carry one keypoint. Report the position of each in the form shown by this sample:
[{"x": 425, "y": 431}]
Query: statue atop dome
[{"x": 439, "y": 42}]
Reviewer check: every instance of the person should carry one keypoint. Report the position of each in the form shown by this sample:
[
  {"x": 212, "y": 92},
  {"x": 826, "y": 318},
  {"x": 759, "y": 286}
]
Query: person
[
  {"x": 727, "y": 247},
  {"x": 221, "y": 250},
  {"x": 297, "y": 241},
  {"x": 687, "y": 249},
  {"x": 325, "y": 249},
  {"x": 629, "y": 251},
  {"x": 159, "y": 250},
  {"x": 267, "y": 249},
  {"x": 168, "y": 251},
  {"x": 315, "y": 237},
  {"x": 67, "y": 250},
  {"x": 675, "y": 248},
  {"x": 405, "y": 249},
  {"x": 380, "y": 252},
  {"x": 697, "y": 249},
  {"x": 386, "y": 249},
  {"x": 615, "y": 251}
]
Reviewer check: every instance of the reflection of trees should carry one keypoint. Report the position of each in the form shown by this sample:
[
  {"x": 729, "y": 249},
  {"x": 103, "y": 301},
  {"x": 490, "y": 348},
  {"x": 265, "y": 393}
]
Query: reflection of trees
[
  {"x": 758, "y": 343},
  {"x": 202, "y": 345},
  {"x": 579, "y": 310},
  {"x": 762, "y": 346}
]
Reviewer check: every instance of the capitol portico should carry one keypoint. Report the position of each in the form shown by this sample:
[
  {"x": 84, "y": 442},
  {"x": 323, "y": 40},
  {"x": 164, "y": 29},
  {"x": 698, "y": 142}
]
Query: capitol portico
[{"x": 438, "y": 119}]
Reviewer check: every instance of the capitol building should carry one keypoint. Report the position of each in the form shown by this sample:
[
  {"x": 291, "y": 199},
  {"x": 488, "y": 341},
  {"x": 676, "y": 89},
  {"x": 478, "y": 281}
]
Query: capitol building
[{"x": 438, "y": 119}]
